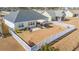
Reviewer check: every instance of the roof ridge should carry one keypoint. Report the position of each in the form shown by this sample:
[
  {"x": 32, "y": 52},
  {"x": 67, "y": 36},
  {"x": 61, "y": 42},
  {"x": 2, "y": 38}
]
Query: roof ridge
[{"x": 17, "y": 15}]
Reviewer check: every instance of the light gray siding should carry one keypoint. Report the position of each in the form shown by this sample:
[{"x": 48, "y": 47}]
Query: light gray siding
[
  {"x": 26, "y": 24},
  {"x": 9, "y": 24}
]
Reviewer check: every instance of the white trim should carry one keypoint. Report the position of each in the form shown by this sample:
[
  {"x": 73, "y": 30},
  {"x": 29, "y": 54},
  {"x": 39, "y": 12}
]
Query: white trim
[{"x": 9, "y": 24}]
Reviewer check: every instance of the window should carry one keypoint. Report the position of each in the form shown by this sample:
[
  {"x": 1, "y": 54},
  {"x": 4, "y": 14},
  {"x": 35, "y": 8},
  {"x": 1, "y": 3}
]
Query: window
[
  {"x": 21, "y": 25},
  {"x": 31, "y": 23}
]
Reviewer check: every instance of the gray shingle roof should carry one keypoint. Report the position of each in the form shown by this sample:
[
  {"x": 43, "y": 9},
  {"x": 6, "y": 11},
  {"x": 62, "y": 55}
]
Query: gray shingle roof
[{"x": 24, "y": 15}]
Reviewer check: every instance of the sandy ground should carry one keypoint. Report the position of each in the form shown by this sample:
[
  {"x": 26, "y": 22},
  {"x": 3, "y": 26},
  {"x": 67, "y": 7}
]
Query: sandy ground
[
  {"x": 39, "y": 35},
  {"x": 10, "y": 44},
  {"x": 77, "y": 49},
  {"x": 71, "y": 41}
]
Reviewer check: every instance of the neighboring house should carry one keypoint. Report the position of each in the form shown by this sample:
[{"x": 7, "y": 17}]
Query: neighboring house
[
  {"x": 54, "y": 15},
  {"x": 46, "y": 13},
  {"x": 39, "y": 11},
  {"x": 75, "y": 12},
  {"x": 23, "y": 19},
  {"x": 68, "y": 13},
  {"x": 58, "y": 15}
]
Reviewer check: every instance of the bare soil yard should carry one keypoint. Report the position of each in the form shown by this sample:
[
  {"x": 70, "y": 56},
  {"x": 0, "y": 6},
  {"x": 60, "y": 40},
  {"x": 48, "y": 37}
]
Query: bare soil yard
[
  {"x": 10, "y": 44},
  {"x": 71, "y": 41},
  {"x": 39, "y": 35}
]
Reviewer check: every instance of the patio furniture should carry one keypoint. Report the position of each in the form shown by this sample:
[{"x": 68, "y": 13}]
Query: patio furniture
[
  {"x": 31, "y": 43},
  {"x": 30, "y": 29},
  {"x": 46, "y": 24}
]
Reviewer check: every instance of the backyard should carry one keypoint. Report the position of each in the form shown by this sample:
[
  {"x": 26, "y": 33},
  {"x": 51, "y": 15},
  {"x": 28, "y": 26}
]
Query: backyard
[
  {"x": 39, "y": 35},
  {"x": 70, "y": 42}
]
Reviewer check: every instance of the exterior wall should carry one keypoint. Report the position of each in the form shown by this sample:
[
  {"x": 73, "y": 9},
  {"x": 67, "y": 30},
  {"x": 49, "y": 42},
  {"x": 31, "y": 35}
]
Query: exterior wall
[
  {"x": 69, "y": 14},
  {"x": 59, "y": 13},
  {"x": 47, "y": 15},
  {"x": 25, "y": 24},
  {"x": 52, "y": 14},
  {"x": 17, "y": 25},
  {"x": 9, "y": 24}
]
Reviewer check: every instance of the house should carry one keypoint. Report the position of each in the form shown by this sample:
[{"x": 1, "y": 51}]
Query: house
[
  {"x": 58, "y": 15},
  {"x": 54, "y": 15},
  {"x": 68, "y": 13},
  {"x": 45, "y": 13},
  {"x": 75, "y": 12},
  {"x": 23, "y": 19}
]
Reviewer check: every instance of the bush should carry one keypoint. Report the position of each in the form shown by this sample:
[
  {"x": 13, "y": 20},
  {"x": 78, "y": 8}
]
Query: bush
[
  {"x": 48, "y": 48},
  {"x": 18, "y": 31}
]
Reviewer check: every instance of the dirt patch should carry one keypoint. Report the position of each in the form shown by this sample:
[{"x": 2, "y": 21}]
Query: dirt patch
[
  {"x": 10, "y": 44},
  {"x": 69, "y": 42},
  {"x": 37, "y": 36}
]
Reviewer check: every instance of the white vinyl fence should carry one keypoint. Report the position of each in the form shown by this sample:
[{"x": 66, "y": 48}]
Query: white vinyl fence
[{"x": 20, "y": 41}]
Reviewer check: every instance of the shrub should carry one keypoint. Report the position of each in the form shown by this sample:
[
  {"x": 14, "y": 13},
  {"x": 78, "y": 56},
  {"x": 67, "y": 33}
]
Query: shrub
[
  {"x": 48, "y": 48},
  {"x": 17, "y": 31}
]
